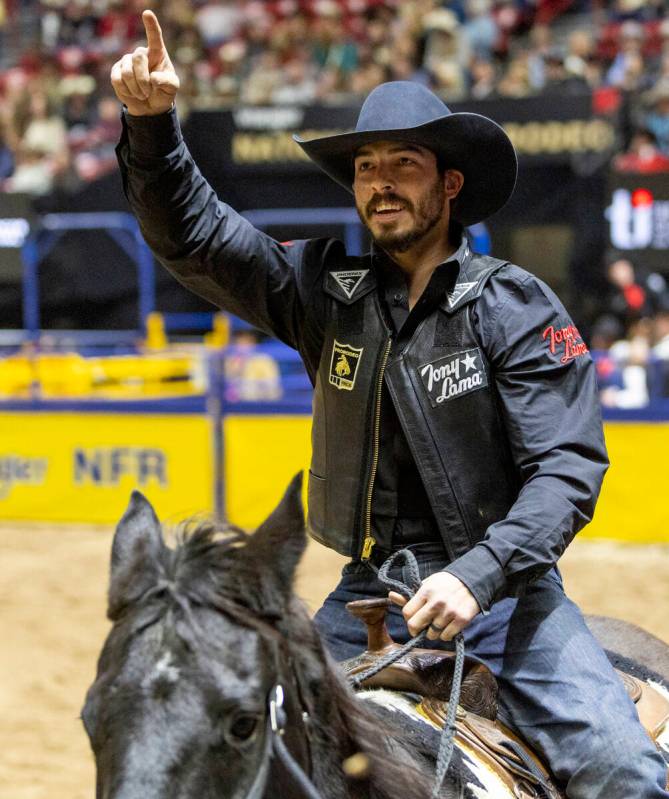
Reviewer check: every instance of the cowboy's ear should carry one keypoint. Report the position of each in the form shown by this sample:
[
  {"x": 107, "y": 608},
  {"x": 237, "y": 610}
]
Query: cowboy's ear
[
  {"x": 281, "y": 539},
  {"x": 136, "y": 554},
  {"x": 453, "y": 182}
]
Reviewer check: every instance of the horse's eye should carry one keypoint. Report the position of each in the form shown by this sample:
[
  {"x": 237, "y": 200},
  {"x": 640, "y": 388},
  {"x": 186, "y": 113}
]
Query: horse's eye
[{"x": 243, "y": 728}]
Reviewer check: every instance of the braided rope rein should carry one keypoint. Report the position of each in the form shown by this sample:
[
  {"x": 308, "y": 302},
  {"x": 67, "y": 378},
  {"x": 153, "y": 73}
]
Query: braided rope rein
[{"x": 447, "y": 739}]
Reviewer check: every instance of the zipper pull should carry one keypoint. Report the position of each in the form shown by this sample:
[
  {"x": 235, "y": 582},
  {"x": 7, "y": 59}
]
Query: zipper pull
[{"x": 367, "y": 545}]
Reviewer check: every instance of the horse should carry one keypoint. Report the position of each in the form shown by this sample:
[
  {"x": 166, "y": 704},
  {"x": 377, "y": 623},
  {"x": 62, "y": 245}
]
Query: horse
[{"x": 213, "y": 682}]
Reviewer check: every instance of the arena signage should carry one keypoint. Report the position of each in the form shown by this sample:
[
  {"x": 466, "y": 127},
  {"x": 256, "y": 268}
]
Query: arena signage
[
  {"x": 109, "y": 465},
  {"x": 638, "y": 217},
  {"x": 82, "y": 466},
  {"x": 21, "y": 470},
  {"x": 246, "y": 139}
]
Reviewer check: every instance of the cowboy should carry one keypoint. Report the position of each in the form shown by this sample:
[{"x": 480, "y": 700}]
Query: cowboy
[{"x": 466, "y": 425}]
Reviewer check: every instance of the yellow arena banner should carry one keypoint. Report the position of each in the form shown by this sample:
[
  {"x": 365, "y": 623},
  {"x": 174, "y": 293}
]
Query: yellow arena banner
[
  {"x": 262, "y": 455},
  {"x": 633, "y": 504},
  {"x": 81, "y": 467}
]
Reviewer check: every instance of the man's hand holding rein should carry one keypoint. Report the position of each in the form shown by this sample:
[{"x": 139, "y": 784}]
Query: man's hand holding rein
[{"x": 443, "y": 603}]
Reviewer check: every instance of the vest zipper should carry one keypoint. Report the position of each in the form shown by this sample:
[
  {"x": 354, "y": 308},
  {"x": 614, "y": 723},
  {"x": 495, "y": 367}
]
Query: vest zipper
[{"x": 369, "y": 540}]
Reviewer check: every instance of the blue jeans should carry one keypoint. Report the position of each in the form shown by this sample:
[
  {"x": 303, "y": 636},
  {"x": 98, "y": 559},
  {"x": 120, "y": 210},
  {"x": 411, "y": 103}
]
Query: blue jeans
[{"x": 556, "y": 686}]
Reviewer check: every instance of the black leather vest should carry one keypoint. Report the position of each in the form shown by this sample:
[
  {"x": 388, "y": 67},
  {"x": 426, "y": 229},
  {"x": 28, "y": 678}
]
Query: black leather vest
[{"x": 444, "y": 395}]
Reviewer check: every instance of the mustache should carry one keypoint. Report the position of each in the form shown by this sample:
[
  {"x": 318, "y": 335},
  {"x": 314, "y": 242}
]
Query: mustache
[{"x": 377, "y": 199}]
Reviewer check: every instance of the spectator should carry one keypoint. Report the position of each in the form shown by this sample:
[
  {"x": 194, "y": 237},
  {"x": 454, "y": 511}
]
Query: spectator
[
  {"x": 558, "y": 78},
  {"x": 660, "y": 350},
  {"x": 630, "y": 50},
  {"x": 656, "y": 119},
  {"x": 632, "y": 298},
  {"x": 6, "y": 154},
  {"x": 661, "y": 332},
  {"x": 263, "y": 79},
  {"x": 332, "y": 47},
  {"x": 250, "y": 375},
  {"x": 78, "y": 112},
  {"x": 480, "y": 28},
  {"x": 483, "y": 79},
  {"x": 516, "y": 80},
  {"x": 541, "y": 40},
  {"x": 580, "y": 52},
  {"x": 94, "y": 149},
  {"x": 446, "y": 53},
  {"x": 298, "y": 84},
  {"x": 642, "y": 155},
  {"x": 45, "y": 132},
  {"x": 366, "y": 77},
  {"x": 631, "y": 355},
  {"x": 219, "y": 21}
]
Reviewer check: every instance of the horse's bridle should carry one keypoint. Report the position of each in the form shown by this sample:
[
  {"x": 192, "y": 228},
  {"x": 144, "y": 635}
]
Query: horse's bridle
[{"x": 276, "y": 750}]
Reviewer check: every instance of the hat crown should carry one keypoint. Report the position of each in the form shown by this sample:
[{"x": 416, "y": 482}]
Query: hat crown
[{"x": 398, "y": 105}]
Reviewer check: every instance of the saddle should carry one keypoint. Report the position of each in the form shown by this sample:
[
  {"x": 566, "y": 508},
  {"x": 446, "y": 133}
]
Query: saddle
[{"x": 429, "y": 674}]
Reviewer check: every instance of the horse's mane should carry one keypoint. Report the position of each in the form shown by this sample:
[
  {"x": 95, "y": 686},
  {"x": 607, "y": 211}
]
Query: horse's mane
[{"x": 213, "y": 566}]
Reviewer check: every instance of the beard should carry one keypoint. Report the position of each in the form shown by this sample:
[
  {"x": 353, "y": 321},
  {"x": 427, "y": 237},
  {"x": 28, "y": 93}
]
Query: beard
[{"x": 426, "y": 214}]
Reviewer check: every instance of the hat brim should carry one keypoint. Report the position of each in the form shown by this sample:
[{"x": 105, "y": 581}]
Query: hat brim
[{"x": 471, "y": 143}]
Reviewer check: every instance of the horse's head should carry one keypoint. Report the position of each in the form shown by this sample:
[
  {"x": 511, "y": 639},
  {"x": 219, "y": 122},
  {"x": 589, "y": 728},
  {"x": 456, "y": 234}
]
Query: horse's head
[{"x": 179, "y": 707}]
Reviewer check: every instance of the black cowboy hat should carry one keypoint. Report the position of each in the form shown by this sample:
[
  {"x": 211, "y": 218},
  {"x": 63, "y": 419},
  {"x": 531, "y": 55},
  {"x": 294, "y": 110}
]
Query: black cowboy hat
[{"x": 409, "y": 112}]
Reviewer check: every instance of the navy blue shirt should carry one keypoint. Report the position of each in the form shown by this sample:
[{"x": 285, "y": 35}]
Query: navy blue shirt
[{"x": 398, "y": 489}]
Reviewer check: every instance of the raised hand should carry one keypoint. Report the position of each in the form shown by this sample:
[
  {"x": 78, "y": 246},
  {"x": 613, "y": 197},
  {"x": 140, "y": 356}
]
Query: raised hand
[{"x": 145, "y": 80}]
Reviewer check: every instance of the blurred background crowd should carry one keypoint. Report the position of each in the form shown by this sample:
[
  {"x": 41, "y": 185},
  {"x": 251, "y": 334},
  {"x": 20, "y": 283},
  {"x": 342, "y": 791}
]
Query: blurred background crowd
[{"x": 59, "y": 120}]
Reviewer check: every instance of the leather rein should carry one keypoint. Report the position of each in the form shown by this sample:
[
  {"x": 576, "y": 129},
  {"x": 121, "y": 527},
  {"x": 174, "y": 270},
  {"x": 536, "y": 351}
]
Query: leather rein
[{"x": 277, "y": 720}]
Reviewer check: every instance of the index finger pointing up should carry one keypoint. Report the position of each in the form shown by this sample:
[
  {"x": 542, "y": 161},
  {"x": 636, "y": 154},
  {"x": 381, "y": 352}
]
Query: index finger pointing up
[{"x": 154, "y": 35}]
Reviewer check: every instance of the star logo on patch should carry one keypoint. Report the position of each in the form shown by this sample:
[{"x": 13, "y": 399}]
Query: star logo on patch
[
  {"x": 469, "y": 361},
  {"x": 349, "y": 281}
]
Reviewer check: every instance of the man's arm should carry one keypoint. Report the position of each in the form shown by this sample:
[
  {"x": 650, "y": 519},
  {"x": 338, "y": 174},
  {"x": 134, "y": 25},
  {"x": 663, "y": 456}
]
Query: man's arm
[
  {"x": 209, "y": 248},
  {"x": 545, "y": 381}
]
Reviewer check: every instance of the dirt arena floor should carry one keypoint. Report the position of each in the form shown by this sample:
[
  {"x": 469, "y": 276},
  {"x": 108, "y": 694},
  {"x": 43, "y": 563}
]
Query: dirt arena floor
[{"x": 52, "y": 624}]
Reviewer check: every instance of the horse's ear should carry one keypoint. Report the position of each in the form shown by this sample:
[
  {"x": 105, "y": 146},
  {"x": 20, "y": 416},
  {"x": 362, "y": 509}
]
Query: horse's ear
[
  {"x": 136, "y": 549},
  {"x": 281, "y": 539}
]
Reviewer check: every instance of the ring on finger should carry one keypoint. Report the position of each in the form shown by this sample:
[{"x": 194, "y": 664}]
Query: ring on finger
[{"x": 435, "y": 628}]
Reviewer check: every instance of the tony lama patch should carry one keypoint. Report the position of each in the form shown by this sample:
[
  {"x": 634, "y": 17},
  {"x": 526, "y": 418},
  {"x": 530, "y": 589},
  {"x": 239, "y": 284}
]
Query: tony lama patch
[
  {"x": 453, "y": 376},
  {"x": 344, "y": 365},
  {"x": 564, "y": 341}
]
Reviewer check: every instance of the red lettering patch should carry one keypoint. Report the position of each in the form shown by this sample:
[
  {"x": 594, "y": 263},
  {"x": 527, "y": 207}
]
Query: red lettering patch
[{"x": 565, "y": 342}]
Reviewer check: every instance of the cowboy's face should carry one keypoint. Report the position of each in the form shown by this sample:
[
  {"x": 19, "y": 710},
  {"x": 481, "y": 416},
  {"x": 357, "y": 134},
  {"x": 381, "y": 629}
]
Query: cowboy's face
[{"x": 400, "y": 195}]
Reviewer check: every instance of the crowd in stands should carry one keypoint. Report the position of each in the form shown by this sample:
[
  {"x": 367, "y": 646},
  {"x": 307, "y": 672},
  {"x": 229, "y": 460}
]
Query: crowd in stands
[
  {"x": 630, "y": 340},
  {"x": 59, "y": 121}
]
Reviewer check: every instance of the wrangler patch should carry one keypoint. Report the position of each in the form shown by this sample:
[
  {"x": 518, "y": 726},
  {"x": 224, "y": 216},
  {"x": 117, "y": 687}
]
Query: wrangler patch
[
  {"x": 564, "y": 341},
  {"x": 453, "y": 376},
  {"x": 349, "y": 281},
  {"x": 458, "y": 292},
  {"x": 344, "y": 365}
]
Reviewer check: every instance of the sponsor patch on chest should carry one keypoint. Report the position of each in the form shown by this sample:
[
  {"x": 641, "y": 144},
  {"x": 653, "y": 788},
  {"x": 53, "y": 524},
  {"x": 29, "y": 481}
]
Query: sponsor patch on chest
[
  {"x": 349, "y": 281},
  {"x": 344, "y": 365},
  {"x": 453, "y": 376}
]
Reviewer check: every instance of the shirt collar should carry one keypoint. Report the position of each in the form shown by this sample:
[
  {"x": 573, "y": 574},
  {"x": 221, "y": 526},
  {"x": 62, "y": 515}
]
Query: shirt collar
[{"x": 392, "y": 276}]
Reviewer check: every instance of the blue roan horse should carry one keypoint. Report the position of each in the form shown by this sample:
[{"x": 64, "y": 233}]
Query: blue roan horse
[{"x": 213, "y": 683}]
